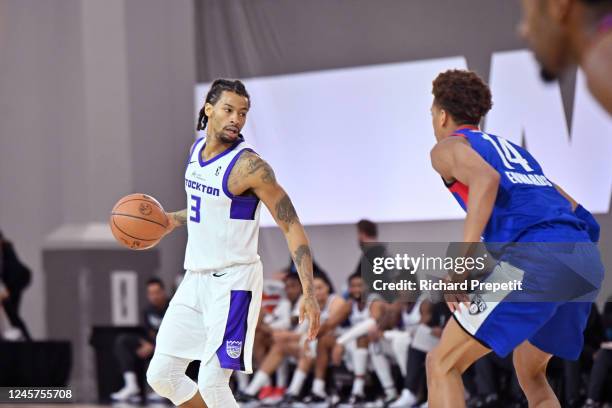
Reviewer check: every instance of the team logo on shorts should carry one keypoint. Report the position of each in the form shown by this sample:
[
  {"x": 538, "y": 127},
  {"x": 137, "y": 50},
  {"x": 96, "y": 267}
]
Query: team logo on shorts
[
  {"x": 233, "y": 348},
  {"x": 477, "y": 305}
]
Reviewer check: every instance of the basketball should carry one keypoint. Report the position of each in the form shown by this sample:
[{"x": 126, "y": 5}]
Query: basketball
[{"x": 138, "y": 221}]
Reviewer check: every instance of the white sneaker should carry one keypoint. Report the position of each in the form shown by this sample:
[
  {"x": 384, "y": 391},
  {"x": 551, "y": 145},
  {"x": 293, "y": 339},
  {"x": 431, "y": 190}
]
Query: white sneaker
[
  {"x": 406, "y": 400},
  {"x": 154, "y": 397},
  {"x": 126, "y": 393},
  {"x": 12, "y": 334}
]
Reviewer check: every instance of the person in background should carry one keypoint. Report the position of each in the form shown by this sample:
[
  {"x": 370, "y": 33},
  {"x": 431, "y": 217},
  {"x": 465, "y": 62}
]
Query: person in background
[
  {"x": 602, "y": 363},
  {"x": 280, "y": 322},
  {"x": 129, "y": 348},
  {"x": 367, "y": 239},
  {"x": 14, "y": 279},
  {"x": 434, "y": 316}
]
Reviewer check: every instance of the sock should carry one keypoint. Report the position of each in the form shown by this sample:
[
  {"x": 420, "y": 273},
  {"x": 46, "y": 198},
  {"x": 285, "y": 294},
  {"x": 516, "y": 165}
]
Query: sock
[
  {"x": 130, "y": 380},
  {"x": 360, "y": 361},
  {"x": 282, "y": 374},
  {"x": 400, "y": 344},
  {"x": 318, "y": 387},
  {"x": 382, "y": 368},
  {"x": 296, "y": 382},
  {"x": 356, "y": 331},
  {"x": 242, "y": 380},
  {"x": 260, "y": 379},
  {"x": 358, "y": 386}
]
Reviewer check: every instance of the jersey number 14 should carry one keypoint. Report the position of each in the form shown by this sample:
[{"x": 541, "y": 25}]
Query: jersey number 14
[{"x": 508, "y": 153}]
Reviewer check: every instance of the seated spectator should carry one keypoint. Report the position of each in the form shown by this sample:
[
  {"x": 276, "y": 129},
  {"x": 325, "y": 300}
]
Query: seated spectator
[
  {"x": 487, "y": 371},
  {"x": 14, "y": 278},
  {"x": 364, "y": 311},
  {"x": 574, "y": 371},
  {"x": 129, "y": 348},
  {"x": 601, "y": 374},
  {"x": 293, "y": 344},
  {"x": 434, "y": 316},
  {"x": 281, "y": 320}
]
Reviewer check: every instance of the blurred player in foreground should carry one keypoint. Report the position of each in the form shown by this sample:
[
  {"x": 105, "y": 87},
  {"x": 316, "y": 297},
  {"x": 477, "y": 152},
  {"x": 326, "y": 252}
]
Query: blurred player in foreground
[{"x": 566, "y": 32}]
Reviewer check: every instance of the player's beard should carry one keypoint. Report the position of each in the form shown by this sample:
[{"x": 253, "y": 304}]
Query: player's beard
[{"x": 225, "y": 138}]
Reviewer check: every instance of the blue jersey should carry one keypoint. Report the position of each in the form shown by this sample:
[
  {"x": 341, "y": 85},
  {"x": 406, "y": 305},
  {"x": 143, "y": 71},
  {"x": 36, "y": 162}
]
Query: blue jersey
[{"x": 528, "y": 207}]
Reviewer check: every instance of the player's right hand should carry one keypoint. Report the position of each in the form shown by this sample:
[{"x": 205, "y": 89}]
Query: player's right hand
[{"x": 309, "y": 309}]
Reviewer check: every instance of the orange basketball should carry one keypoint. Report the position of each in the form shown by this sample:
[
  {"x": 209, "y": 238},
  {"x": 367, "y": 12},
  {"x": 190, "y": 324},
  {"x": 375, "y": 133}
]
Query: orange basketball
[{"x": 138, "y": 221}]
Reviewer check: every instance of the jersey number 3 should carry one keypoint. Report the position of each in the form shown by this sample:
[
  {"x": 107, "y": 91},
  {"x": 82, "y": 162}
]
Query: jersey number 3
[{"x": 195, "y": 208}]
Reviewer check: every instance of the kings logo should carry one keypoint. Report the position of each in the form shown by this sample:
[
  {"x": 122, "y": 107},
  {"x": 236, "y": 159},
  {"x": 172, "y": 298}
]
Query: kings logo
[
  {"x": 477, "y": 305},
  {"x": 233, "y": 348}
]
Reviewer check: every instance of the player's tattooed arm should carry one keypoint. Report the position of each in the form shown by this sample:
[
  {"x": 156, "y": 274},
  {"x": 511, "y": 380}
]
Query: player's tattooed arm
[
  {"x": 176, "y": 219},
  {"x": 255, "y": 175}
]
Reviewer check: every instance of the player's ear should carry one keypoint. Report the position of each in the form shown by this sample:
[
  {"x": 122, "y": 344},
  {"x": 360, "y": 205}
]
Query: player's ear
[
  {"x": 208, "y": 109},
  {"x": 559, "y": 10},
  {"x": 443, "y": 118}
]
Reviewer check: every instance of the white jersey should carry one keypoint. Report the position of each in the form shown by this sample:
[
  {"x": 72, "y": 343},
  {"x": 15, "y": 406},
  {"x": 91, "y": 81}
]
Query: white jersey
[
  {"x": 223, "y": 229},
  {"x": 359, "y": 315}
]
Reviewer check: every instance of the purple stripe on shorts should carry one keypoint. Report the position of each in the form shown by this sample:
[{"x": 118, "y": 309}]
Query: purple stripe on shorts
[{"x": 231, "y": 352}]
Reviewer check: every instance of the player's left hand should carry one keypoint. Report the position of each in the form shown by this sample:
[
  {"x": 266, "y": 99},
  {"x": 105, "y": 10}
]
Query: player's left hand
[
  {"x": 454, "y": 298},
  {"x": 309, "y": 309}
]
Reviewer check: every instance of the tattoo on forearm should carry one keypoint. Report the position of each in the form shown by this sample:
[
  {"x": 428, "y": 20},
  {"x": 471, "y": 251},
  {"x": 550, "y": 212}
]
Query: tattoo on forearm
[
  {"x": 303, "y": 262},
  {"x": 300, "y": 253},
  {"x": 256, "y": 164},
  {"x": 180, "y": 217},
  {"x": 285, "y": 210}
]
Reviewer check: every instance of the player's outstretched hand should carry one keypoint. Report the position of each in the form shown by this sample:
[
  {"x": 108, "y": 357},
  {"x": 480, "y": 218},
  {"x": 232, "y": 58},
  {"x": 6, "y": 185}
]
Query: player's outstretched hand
[
  {"x": 309, "y": 309},
  {"x": 171, "y": 223}
]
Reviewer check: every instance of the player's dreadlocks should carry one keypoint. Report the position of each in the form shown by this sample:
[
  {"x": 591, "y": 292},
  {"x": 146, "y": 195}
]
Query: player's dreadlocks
[
  {"x": 216, "y": 89},
  {"x": 463, "y": 94}
]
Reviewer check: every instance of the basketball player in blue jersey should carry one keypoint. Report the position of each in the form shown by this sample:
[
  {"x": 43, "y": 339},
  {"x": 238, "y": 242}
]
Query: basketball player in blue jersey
[
  {"x": 214, "y": 312},
  {"x": 562, "y": 33},
  {"x": 508, "y": 199}
]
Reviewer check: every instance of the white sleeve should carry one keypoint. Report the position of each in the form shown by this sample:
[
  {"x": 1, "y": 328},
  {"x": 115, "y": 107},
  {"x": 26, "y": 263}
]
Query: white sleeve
[{"x": 282, "y": 314}]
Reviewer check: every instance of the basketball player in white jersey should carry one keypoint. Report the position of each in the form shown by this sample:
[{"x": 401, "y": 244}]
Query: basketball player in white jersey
[{"x": 212, "y": 316}]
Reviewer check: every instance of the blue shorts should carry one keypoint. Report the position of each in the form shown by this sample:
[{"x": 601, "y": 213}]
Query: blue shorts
[{"x": 551, "y": 312}]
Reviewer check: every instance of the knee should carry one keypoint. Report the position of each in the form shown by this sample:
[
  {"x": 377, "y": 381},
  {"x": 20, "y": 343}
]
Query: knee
[
  {"x": 434, "y": 365},
  {"x": 159, "y": 380},
  {"x": 529, "y": 376},
  {"x": 213, "y": 383},
  {"x": 166, "y": 376}
]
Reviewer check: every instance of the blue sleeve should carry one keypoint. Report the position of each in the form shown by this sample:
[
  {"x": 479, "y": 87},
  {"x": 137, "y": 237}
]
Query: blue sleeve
[{"x": 592, "y": 224}]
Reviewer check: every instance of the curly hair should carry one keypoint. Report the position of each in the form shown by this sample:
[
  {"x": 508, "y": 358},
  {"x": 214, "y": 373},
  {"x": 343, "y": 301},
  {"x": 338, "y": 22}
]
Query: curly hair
[
  {"x": 463, "y": 94},
  {"x": 216, "y": 89}
]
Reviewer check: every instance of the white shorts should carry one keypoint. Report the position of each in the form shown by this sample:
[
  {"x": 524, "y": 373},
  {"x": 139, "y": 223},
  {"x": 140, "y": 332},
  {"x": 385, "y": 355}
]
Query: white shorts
[{"x": 214, "y": 312}]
